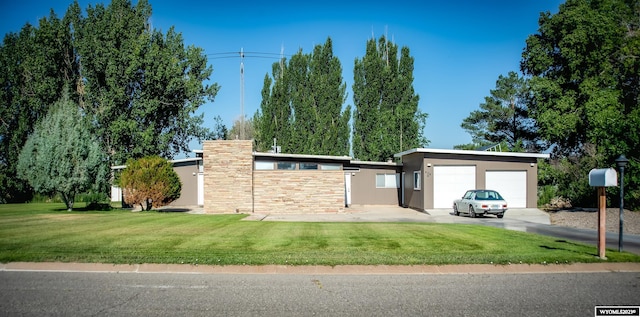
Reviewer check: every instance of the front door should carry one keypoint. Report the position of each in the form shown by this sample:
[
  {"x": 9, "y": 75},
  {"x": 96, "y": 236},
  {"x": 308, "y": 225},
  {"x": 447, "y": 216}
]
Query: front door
[{"x": 347, "y": 189}]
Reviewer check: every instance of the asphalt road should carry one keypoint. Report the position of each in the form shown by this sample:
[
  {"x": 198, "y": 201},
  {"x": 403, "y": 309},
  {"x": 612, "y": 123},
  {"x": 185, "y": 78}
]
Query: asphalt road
[{"x": 117, "y": 294}]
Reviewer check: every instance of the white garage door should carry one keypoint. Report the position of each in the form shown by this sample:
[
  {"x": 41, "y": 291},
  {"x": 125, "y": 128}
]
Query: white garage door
[
  {"x": 512, "y": 185},
  {"x": 450, "y": 183}
]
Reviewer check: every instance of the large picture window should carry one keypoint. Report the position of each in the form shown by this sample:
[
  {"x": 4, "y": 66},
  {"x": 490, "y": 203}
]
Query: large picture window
[
  {"x": 387, "y": 180},
  {"x": 416, "y": 180}
]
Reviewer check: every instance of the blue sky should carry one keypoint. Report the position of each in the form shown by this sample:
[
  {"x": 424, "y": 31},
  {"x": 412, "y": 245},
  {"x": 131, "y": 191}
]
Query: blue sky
[{"x": 460, "y": 47}]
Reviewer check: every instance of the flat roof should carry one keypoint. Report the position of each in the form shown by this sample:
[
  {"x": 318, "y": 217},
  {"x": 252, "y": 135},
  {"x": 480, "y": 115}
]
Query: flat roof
[
  {"x": 183, "y": 160},
  {"x": 376, "y": 163},
  {"x": 468, "y": 152},
  {"x": 302, "y": 156}
]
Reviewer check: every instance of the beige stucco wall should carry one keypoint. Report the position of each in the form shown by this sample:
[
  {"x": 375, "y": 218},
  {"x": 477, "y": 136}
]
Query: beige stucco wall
[
  {"x": 189, "y": 192},
  {"x": 298, "y": 191},
  {"x": 228, "y": 167},
  {"x": 363, "y": 186}
]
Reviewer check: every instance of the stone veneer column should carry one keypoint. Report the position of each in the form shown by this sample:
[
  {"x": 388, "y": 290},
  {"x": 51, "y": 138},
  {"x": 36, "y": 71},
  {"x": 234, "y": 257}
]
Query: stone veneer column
[{"x": 228, "y": 168}]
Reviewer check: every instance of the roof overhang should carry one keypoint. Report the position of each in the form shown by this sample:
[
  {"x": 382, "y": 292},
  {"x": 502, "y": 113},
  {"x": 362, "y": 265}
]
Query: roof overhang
[
  {"x": 375, "y": 163},
  {"x": 184, "y": 160},
  {"x": 301, "y": 156},
  {"x": 479, "y": 153}
]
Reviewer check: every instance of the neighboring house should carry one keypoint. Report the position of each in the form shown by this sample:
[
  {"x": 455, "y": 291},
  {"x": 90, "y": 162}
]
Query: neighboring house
[{"x": 226, "y": 176}]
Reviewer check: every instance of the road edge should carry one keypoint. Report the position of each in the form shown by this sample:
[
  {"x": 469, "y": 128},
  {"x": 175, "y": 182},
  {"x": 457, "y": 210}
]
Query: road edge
[{"x": 318, "y": 270}]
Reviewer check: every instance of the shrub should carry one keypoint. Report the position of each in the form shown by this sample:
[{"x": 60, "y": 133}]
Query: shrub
[{"x": 150, "y": 181}]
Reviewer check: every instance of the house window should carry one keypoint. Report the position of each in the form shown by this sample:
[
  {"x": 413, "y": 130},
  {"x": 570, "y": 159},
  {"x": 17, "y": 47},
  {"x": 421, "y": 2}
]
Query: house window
[
  {"x": 416, "y": 180},
  {"x": 387, "y": 180},
  {"x": 263, "y": 166},
  {"x": 308, "y": 166},
  {"x": 330, "y": 167},
  {"x": 286, "y": 165}
]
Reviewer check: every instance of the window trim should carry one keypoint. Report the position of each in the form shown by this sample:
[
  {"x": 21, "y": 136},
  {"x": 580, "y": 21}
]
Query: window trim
[
  {"x": 417, "y": 182},
  {"x": 396, "y": 180}
]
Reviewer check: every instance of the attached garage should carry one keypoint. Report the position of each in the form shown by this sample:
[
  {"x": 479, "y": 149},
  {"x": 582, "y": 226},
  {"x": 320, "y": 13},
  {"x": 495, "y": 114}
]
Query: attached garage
[
  {"x": 450, "y": 183},
  {"x": 445, "y": 175},
  {"x": 512, "y": 185}
]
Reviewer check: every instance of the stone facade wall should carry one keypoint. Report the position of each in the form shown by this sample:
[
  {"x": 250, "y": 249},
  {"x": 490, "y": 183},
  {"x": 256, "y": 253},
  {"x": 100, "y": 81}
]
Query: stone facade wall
[
  {"x": 228, "y": 167},
  {"x": 299, "y": 191}
]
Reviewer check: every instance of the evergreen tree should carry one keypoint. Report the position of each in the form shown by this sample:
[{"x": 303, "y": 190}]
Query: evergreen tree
[
  {"x": 61, "y": 156},
  {"x": 386, "y": 117},
  {"x": 504, "y": 117}
]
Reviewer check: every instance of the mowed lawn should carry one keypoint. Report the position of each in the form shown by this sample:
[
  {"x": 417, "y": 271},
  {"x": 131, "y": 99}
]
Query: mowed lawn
[{"x": 45, "y": 232}]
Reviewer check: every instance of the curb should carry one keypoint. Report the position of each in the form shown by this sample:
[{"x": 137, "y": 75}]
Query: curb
[{"x": 320, "y": 270}]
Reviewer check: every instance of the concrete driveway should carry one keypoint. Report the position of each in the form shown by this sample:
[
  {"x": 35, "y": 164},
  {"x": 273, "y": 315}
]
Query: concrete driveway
[{"x": 513, "y": 218}]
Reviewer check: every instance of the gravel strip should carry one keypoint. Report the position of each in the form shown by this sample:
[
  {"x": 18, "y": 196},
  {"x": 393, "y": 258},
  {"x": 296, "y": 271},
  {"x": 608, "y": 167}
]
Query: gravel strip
[{"x": 588, "y": 219}]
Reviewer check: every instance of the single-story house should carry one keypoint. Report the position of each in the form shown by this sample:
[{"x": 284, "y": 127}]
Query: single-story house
[{"x": 228, "y": 176}]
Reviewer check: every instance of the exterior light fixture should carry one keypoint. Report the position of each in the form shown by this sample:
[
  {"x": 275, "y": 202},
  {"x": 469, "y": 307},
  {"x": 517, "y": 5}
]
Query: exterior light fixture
[{"x": 621, "y": 161}]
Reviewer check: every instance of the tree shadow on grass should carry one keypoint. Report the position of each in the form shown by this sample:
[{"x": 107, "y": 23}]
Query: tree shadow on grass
[
  {"x": 570, "y": 247},
  {"x": 89, "y": 207},
  {"x": 170, "y": 209}
]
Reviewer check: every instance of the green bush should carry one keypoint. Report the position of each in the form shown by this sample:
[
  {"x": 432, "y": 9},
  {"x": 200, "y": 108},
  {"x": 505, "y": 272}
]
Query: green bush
[{"x": 150, "y": 181}]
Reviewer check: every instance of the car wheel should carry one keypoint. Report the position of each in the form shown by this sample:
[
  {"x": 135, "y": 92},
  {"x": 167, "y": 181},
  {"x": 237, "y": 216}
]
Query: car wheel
[
  {"x": 472, "y": 212},
  {"x": 455, "y": 210},
  {"x": 500, "y": 215}
]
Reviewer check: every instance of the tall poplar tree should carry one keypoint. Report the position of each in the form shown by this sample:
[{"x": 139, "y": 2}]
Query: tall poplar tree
[
  {"x": 302, "y": 107},
  {"x": 387, "y": 119}
]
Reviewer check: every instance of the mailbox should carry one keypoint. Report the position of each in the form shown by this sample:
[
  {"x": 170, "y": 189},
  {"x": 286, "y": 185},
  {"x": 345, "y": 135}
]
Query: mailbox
[{"x": 603, "y": 177}]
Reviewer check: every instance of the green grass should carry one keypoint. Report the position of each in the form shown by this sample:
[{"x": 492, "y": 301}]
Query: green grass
[{"x": 45, "y": 232}]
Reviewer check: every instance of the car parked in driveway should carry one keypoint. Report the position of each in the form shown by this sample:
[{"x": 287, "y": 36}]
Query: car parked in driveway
[{"x": 480, "y": 202}]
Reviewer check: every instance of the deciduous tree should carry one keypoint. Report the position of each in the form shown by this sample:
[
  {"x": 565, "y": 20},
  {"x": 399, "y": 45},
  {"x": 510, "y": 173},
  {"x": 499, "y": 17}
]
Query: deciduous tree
[
  {"x": 387, "y": 119},
  {"x": 143, "y": 85},
  {"x": 302, "y": 105},
  {"x": 584, "y": 64},
  {"x": 37, "y": 66}
]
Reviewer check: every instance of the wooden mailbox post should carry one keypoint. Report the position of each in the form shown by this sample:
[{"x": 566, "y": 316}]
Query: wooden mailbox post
[{"x": 602, "y": 178}]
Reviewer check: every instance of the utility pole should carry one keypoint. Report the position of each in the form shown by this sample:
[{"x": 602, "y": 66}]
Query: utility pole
[{"x": 241, "y": 94}]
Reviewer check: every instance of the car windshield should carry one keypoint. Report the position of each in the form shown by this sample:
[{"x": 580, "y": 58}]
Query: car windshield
[{"x": 488, "y": 195}]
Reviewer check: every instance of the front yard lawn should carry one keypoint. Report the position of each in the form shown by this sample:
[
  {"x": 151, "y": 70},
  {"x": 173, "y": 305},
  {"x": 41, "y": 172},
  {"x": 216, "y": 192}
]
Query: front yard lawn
[{"x": 44, "y": 232}]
